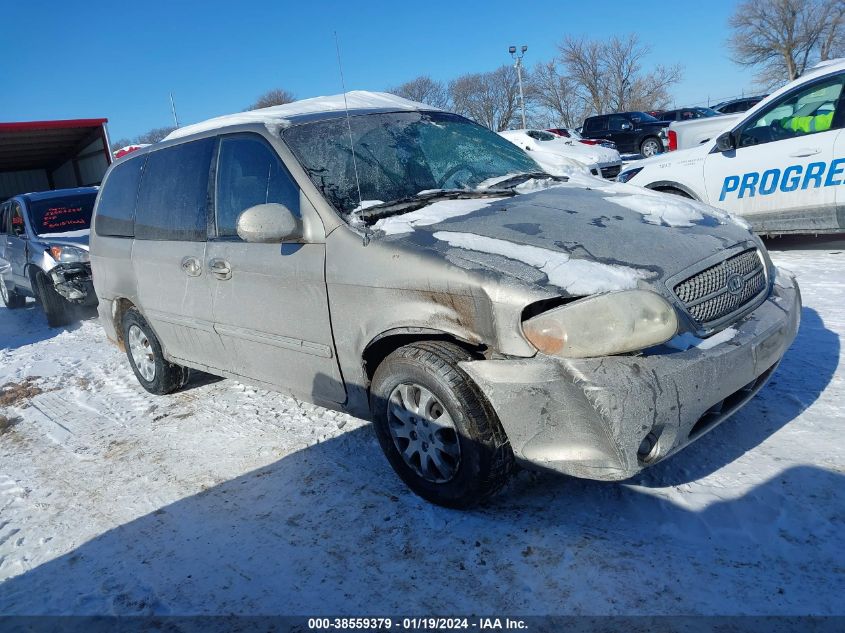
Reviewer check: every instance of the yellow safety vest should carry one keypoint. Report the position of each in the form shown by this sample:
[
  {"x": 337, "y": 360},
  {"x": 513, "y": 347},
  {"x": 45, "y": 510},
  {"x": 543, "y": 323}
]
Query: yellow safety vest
[{"x": 809, "y": 124}]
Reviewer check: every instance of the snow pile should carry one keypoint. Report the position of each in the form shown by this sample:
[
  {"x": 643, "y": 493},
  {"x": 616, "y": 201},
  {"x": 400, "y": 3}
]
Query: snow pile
[
  {"x": 576, "y": 276},
  {"x": 665, "y": 210},
  {"x": 432, "y": 214},
  {"x": 276, "y": 117}
]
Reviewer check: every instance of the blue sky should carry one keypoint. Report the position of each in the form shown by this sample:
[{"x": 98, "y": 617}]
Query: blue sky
[{"x": 121, "y": 60}]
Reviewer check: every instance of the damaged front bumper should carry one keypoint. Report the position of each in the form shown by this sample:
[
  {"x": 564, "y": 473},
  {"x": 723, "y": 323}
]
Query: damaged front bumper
[
  {"x": 74, "y": 283},
  {"x": 608, "y": 418}
]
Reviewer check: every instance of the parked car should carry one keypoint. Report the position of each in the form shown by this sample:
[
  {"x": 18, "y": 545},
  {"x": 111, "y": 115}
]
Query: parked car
[
  {"x": 414, "y": 268},
  {"x": 44, "y": 251},
  {"x": 779, "y": 166},
  {"x": 575, "y": 135},
  {"x": 735, "y": 106},
  {"x": 547, "y": 149},
  {"x": 633, "y": 132},
  {"x": 684, "y": 114}
]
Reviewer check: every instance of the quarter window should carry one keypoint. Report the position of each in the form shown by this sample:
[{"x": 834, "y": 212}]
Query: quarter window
[
  {"x": 249, "y": 172},
  {"x": 816, "y": 108},
  {"x": 116, "y": 208},
  {"x": 173, "y": 197},
  {"x": 18, "y": 227}
]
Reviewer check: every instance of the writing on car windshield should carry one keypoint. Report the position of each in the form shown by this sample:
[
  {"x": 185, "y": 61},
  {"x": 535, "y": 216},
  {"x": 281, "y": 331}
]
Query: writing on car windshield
[
  {"x": 61, "y": 215},
  {"x": 400, "y": 154}
]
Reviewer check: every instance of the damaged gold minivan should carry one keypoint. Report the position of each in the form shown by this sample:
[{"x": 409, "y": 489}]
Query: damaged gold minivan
[{"x": 375, "y": 255}]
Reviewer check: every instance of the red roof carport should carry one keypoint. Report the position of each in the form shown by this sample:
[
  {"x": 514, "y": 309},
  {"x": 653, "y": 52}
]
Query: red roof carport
[{"x": 28, "y": 146}]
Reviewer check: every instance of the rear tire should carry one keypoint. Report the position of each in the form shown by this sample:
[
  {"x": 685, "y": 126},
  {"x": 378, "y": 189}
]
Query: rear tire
[
  {"x": 436, "y": 428},
  {"x": 11, "y": 298},
  {"x": 156, "y": 374},
  {"x": 58, "y": 310},
  {"x": 650, "y": 147}
]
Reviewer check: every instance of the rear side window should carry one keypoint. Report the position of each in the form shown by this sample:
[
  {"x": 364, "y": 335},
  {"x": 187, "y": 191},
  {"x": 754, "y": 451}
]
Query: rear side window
[
  {"x": 616, "y": 123},
  {"x": 596, "y": 124},
  {"x": 249, "y": 173},
  {"x": 116, "y": 209},
  {"x": 173, "y": 198}
]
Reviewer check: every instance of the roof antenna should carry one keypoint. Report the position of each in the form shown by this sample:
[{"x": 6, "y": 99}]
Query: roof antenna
[{"x": 348, "y": 124}]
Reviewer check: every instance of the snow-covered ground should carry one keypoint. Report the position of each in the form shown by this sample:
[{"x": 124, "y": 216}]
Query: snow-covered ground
[{"x": 226, "y": 499}]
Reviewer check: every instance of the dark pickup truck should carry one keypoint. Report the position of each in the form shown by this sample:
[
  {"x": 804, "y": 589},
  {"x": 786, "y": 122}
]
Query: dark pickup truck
[{"x": 633, "y": 132}]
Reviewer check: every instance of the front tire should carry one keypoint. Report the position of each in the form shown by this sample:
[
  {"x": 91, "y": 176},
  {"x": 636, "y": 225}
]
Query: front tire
[
  {"x": 156, "y": 374},
  {"x": 650, "y": 147},
  {"x": 58, "y": 310},
  {"x": 436, "y": 428},
  {"x": 11, "y": 298}
]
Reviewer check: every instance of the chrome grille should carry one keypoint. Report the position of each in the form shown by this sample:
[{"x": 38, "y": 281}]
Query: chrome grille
[{"x": 723, "y": 289}]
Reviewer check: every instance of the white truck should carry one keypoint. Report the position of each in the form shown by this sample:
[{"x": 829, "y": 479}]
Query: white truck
[
  {"x": 686, "y": 134},
  {"x": 781, "y": 165}
]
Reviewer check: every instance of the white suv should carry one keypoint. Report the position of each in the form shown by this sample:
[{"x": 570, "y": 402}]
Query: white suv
[{"x": 781, "y": 166}]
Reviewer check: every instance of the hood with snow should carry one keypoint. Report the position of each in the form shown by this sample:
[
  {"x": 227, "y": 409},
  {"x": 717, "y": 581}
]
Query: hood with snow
[{"x": 574, "y": 239}]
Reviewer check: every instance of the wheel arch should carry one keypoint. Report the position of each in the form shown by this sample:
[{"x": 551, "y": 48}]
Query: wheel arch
[
  {"x": 667, "y": 186},
  {"x": 119, "y": 307},
  {"x": 384, "y": 344}
]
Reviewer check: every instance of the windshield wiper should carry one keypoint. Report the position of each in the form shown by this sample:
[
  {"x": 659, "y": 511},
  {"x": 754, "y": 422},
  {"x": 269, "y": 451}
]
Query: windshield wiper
[{"x": 411, "y": 203}]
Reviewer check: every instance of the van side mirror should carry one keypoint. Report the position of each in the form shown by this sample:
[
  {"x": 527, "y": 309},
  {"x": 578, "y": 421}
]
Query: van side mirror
[
  {"x": 627, "y": 126},
  {"x": 725, "y": 142},
  {"x": 269, "y": 223}
]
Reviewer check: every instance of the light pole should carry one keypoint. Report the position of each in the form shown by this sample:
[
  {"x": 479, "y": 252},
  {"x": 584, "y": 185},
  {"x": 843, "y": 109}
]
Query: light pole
[{"x": 518, "y": 64}]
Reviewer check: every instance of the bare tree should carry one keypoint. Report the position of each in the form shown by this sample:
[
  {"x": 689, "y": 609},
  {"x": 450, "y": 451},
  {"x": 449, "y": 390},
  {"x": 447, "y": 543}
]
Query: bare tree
[
  {"x": 608, "y": 75},
  {"x": 277, "y": 96},
  {"x": 153, "y": 136},
  {"x": 556, "y": 96},
  {"x": 491, "y": 98},
  {"x": 784, "y": 37},
  {"x": 120, "y": 143},
  {"x": 425, "y": 90}
]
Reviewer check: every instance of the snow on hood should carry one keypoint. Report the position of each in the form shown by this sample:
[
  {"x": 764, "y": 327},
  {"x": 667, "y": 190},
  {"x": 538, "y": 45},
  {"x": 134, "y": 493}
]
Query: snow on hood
[
  {"x": 277, "y": 117},
  {"x": 657, "y": 207},
  {"x": 558, "y": 165},
  {"x": 569, "y": 235},
  {"x": 66, "y": 234},
  {"x": 562, "y": 147},
  {"x": 432, "y": 214},
  {"x": 576, "y": 276}
]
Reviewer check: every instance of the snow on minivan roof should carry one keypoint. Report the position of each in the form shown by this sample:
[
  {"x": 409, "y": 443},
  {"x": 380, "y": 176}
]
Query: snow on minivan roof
[{"x": 280, "y": 116}]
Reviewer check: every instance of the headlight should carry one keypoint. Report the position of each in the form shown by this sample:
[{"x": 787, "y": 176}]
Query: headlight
[
  {"x": 626, "y": 175},
  {"x": 68, "y": 254},
  {"x": 607, "y": 324}
]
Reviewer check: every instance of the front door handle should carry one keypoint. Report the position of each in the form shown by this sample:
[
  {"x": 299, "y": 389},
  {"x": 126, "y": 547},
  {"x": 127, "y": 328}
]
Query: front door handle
[
  {"x": 807, "y": 151},
  {"x": 220, "y": 268},
  {"x": 192, "y": 266}
]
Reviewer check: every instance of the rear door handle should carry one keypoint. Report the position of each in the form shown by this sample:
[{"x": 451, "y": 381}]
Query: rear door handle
[
  {"x": 220, "y": 268},
  {"x": 192, "y": 266},
  {"x": 807, "y": 151}
]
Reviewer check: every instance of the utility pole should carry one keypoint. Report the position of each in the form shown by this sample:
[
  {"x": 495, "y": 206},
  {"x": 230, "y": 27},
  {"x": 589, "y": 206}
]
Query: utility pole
[
  {"x": 518, "y": 65},
  {"x": 173, "y": 108}
]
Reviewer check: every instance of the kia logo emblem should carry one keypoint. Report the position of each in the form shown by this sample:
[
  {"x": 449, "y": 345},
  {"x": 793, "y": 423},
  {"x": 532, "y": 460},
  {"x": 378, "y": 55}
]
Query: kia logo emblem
[{"x": 736, "y": 284}]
